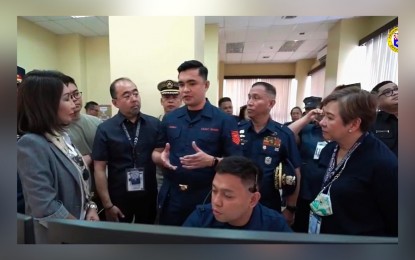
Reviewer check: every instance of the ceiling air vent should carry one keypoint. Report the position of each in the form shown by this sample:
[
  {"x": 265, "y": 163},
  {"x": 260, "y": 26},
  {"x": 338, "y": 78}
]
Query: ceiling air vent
[
  {"x": 235, "y": 47},
  {"x": 288, "y": 17},
  {"x": 290, "y": 46}
]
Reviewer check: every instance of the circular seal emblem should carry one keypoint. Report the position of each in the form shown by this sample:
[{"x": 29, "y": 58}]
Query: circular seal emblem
[{"x": 393, "y": 39}]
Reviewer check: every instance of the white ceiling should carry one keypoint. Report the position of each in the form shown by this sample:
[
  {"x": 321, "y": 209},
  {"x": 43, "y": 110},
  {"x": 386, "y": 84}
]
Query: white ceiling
[{"x": 262, "y": 36}]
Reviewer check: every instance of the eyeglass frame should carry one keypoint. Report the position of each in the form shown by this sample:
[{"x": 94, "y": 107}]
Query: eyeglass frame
[
  {"x": 77, "y": 93},
  {"x": 389, "y": 92}
]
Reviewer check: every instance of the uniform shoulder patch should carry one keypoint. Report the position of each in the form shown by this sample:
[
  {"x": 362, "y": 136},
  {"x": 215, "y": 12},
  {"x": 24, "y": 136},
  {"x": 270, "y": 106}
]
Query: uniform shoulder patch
[{"x": 235, "y": 137}]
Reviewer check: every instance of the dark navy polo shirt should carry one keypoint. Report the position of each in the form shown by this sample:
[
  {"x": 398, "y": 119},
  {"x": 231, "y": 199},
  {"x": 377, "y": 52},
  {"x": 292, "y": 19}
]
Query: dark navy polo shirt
[
  {"x": 215, "y": 133},
  {"x": 259, "y": 147},
  {"x": 364, "y": 197},
  {"x": 262, "y": 219},
  {"x": 311, "y": 176},
  {"x": 386, "y": 129},
  {"x": 112, "y": 145}
]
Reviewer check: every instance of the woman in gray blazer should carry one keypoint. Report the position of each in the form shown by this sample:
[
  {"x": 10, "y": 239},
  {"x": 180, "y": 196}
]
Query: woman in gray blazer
[{"x": 54, "y": 177}]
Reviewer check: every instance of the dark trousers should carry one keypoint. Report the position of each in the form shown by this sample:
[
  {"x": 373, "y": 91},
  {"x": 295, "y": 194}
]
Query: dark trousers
[
  {"x": 176, "y": 205},
  {"x": 140, "y": 209},
  {"x": 302, "y": 216}
]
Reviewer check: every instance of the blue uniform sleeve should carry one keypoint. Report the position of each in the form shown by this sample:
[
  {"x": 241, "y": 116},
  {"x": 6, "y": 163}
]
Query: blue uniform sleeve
[
  {"x": 194, "y": 219},
  {"x": 231, "y": 142},
  {"x": 162, "y": 134}
]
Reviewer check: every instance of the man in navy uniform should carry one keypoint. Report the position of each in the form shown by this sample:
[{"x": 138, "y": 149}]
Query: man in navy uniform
[
  {"x": 170, "y": 100},
  {"x": 311, "y": 103},
  {"x": 197, "y": 136},
  {"x": 235, "y": 200},
  {"x": 310, "y": 143},
  {"x": 386, "y": 125},
  {"x": 268, "y": 143}
]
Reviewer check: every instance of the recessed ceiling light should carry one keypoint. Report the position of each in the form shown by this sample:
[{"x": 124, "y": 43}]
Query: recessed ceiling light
[{"x": 78, "y": 16}]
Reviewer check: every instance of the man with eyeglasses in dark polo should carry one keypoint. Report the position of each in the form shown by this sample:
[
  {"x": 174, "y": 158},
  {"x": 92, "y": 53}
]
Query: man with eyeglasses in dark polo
[
  {"x": 235, "y": 200},
  {"x": 386, "y": 125},
  {"x": 82, "y": 131}
]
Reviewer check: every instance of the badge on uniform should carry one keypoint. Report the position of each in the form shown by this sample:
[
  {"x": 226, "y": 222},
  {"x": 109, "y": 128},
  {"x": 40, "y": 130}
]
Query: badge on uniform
[
  {"x": 271, "y": 141},
  {"x": 319, "y": 147},
  {"x": 242, "y": 136},
  {"x": 268, "y": 160},
  {"x": 235, "y": 137},
  {"x": 135, "y": 179}
]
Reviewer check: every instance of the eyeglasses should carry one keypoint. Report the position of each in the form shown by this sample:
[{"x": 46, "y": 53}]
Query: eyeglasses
[
  {"x": 389, "y": 92},
  {"x": 76, "y": 95}
]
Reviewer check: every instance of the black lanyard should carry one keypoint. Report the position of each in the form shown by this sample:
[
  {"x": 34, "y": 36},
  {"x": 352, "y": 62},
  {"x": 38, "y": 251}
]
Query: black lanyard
[
  {"x": 332, "y": 169},
  {"x": 133, "y": 144}
]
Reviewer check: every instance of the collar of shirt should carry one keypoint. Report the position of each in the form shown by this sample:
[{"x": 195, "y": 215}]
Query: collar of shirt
[
  {"x": 385, "y": 116},
  {"x": 270, "y": 126},
  {"x": 207, "y": 110},
  {"x": 120, "y": 118}
]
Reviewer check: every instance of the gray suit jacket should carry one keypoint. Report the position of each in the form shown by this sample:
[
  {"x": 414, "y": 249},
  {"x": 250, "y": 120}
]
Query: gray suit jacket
[{"x": 51, "y": 184}]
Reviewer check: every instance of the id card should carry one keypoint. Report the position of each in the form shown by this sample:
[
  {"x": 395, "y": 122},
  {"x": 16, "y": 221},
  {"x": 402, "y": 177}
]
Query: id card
[
  {"x": 135, "y": 179},
  {"x": 319, "y": 147},
  {"x": 314, "y": 223}
]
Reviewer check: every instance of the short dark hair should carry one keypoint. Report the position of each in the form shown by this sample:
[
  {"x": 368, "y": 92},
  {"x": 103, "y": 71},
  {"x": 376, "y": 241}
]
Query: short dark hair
[
  {"x": 194, "y": 64},
  {"x": 224, "y": 99},
  {"x": 242, "y": 167},
  {"x": 90, "y": 104},
  {"x": 68, "y": 79},
  {"x": 38, "y": 102},
  {"x": 354, "y": 103},
  {"x": 270, "y": 89},
  {"x": 379, "y": 85},
  {"x": 112, "y": 86}
]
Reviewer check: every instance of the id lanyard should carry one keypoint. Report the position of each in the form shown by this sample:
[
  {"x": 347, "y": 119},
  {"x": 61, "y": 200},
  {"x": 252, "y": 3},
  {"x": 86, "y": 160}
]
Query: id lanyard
[
  {"x": 332, "y": 169},
  {"x": 133, "y": 144}
]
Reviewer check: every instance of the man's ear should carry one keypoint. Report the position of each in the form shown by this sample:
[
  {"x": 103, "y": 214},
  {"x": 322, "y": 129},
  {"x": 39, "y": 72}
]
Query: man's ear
[
  {"x": 114, "y": 102},
  {"x": 207, "y": 85},
  {"x": 256, "y": 196}
]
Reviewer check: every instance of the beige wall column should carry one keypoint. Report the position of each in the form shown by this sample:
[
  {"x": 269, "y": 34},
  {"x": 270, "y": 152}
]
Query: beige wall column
[
  {"x": 72, "y": 60},
  {"x": 302, "y": 67},
  {"x": 212, "y": 61},
  {"x": 149, "y": 50}
]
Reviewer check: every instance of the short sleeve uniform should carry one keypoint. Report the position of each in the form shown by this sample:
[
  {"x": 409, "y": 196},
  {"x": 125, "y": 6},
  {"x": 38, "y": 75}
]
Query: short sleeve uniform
[
  {"x": 262, "y": 219},
  {"x": 268, "y": 148},
  {"x": 216, "y": 134}
]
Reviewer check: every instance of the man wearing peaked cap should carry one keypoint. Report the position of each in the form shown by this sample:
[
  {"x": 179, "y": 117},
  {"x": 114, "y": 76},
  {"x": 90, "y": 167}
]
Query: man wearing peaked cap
[
  {"x": 170, "y": 100},
  {"x": 170, "y": 96},
  {"x": 311, "y": 103},
  {"x": 168, "y": 87}
]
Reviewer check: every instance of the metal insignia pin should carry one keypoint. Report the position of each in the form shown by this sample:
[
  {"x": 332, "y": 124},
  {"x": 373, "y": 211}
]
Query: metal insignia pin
[{"x": 268, "y": 160}]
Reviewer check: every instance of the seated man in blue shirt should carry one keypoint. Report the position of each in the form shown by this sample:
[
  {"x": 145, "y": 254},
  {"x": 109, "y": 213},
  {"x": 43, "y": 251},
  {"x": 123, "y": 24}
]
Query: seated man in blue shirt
[{"x": 235, "y": 197}]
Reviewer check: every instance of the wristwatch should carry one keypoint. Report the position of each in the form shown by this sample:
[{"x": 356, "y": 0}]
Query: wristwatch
[
  {"x": 215, "y": 161},
  {"x": 91, "y": 205},
  {"x": 291, "y": 209}
]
